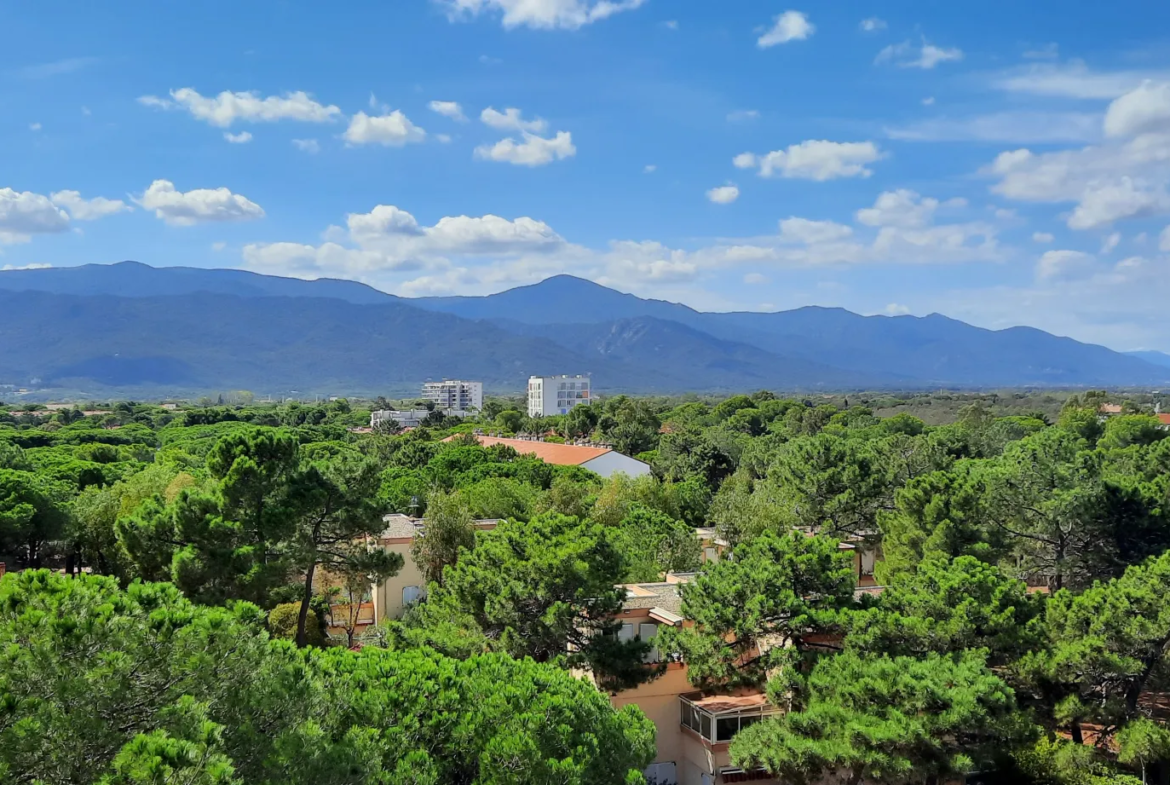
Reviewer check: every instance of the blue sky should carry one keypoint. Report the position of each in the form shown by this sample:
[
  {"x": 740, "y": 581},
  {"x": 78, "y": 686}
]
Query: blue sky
[{"x": 1002, "y": 163}]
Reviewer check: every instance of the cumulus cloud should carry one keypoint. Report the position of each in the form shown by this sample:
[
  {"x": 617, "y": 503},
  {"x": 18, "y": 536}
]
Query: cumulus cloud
[
  {"x": 1042, "y": 237},
  {"x": 814, "y": 160},
  {"x": 228, "y": 108},
  {"x": 241, "y": 138},
  {"x": 724, "y": 194},
  {"x": 511, "y": 120},
  {"x": 389, "y": 130},
  {"x": 23, "y": 214},
  {"x": 1127, "y": 176},
  {"x": 202, "y": 205},
  {"x": 903, "y": 208},
  {"x": 788, "y": 26},
  {"x": 803, "y": 230},
  {"x": 390, "y": 239},
  {"x": 88, "y": 209},
  {"x": 540, "y": 14},
  {"x": 926, "y": 56},
  {"x": 449, "y": 109},
  {"x": 1110, "y": 243},
  {"x": 1102, "y": 204},
  {"x": 311, "y": 146},
  {"x": 873, "y": 24},
  {"x": 897, "y": 309},
  {"x": 532, "y": 151},
  {"x": 1144, "y": 110},
  {"x": 1062, "y": 264}
]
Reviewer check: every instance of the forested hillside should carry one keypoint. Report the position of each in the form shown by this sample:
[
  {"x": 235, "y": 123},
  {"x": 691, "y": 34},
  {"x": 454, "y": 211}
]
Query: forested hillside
[{"x": 1021, "y": 634}]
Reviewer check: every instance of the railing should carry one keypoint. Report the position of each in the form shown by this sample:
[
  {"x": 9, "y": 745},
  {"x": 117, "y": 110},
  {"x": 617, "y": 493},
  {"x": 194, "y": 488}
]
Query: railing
[{"x": 719, "y": 727}]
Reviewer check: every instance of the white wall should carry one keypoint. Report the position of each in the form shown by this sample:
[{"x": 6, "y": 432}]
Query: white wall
[{"x": 615, "y": 463}]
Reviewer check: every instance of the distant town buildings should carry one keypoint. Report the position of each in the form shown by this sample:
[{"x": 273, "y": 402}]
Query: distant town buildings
[
  {"x": 454, "y": 394},
  {"x": 548, "y": 395}
]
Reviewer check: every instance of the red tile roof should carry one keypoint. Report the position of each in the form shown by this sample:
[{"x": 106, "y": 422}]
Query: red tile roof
[
  {"x": 549, "y": 452},
  {"x": 1165, "y": 418}
]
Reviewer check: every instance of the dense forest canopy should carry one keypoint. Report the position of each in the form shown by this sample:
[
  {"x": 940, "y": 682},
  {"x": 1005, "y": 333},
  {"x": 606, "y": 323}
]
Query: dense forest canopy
[{"x": 1022, "y": 630}]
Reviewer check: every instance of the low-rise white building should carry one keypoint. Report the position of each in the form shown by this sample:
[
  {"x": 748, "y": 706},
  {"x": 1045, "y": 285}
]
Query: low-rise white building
[
  {"x": 548, "y": 395},
  {"x": 411, "y": 418},
  {"x": 454, "y": 394}
]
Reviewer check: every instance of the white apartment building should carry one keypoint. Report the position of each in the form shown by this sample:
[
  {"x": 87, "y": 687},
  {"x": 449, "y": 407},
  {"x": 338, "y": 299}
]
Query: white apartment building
[
  {"x": 548, "y": 395},
  {"x": 454, "y": 394}
]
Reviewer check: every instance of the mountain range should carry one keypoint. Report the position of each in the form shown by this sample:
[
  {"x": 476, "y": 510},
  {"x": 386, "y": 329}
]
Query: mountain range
[{"x": 133, "y": 328}]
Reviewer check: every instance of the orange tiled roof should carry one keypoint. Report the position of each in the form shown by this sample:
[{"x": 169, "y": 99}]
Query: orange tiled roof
[
  {"x": 559, "y": 454},
  {"x": 1165, "y": 418}
]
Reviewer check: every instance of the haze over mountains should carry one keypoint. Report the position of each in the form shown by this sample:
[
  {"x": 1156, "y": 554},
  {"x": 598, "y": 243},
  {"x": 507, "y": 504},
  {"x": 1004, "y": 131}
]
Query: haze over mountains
[{"x": 131, "y": 327}]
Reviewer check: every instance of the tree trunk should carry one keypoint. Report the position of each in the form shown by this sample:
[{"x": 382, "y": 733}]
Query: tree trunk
[
  {"x": 306, "y": 599},
  {"x": 1077, "y": 736}
]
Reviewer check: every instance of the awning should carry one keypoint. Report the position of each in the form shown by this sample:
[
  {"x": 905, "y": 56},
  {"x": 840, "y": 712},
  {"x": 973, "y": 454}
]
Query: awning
[{"x": 666, "y": 617}]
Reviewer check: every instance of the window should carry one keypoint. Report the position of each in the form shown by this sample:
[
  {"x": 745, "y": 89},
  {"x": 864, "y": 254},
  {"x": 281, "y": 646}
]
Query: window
[
  {"x": 410, "y": 594},
  {"x": 626, "y": 633},
  {"x": 647, "y": 632},
  {"x": 711, "y": 554}
]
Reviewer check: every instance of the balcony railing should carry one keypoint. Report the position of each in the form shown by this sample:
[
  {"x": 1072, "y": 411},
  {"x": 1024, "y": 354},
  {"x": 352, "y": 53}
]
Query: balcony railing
[{"x": 717, "y": 718}]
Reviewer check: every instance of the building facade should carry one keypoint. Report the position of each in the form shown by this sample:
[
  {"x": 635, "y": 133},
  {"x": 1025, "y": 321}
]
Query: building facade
[
  {"x": 549, "y": 395},
  {"x": 454, "y": 394}
]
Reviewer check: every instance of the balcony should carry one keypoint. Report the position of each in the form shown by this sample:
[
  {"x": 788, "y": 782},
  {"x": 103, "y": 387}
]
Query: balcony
[{"x": 717, "y": 718}]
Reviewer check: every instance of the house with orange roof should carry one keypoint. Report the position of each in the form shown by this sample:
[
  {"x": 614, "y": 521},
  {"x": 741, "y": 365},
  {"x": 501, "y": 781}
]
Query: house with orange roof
[{"x": 596, "y": 458}]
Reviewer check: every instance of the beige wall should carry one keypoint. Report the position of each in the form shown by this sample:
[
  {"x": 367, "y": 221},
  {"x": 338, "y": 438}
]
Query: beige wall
[
  {"x": 388, "y": 596},
  {"x": 658, "y": 700}
]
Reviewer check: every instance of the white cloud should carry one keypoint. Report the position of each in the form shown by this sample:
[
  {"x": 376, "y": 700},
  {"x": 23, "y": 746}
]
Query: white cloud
[
  {"x": 388, "y": 239},
  {"x": 903, "y": 208},
  {"x": 218, "y": 246},
  {"x": 533, "y": 151},
  {"x": 540, "y": 14},
  {"x": 1127, "y": 176},
  {"x": 1020, "y": 127},
  {"x": 1110, "y": 243},
  {"x": 1101, "y": 205},
  {"x": 1042, "y": 237},
  {"x": 896, "y": 309},
  {"x": 390, "y": 130},
  {"x": 443, "y": 138},
  {"x": 23, "y": 214},
  {"x": 1164, "y": 240},
  {"x": 1062, "y": 264},
  {"x": 510, "y": 120},
  {"x": 724, "y": 194},
  {"x": 311, "y": 146},
  {"x": 1072, "y": 80},
  {"x": 802, "y": 230},
  {"x": 227, "y": 108},
  {"x": 814, "y": 160},
  {"x": 755, "y": 279},
  {"x": 788, "y": 26},
  {"x": 34, "y": 266},
  {"x": 671, "y": 24},
  {"x": 448, "y": 109},
  {"x": 649, "y": 168},
  {"x": 743, "y": 115},
  {"x": 34, "y": 126},
  {"x": 928, "y": 100},
  {"x": 873, "y": 24},
  {"x": 1144, "y": 110},
  {"x": 88, "y": 209},
  {"x": 241, "y": 138},
  {"x": 926, "y": 57},
  {"x": 203, "y": 205}
]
